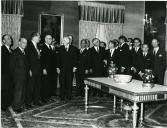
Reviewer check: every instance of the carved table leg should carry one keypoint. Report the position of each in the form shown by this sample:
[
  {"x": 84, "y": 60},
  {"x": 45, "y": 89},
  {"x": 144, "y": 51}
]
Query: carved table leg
[
  {"x": 122, "y": 104},
  {"x": 114, "y": 107},
  {"x": 86, "y": 97},
  {"x": 141, "y": 115},
  {"x": 135, "y": 108}
]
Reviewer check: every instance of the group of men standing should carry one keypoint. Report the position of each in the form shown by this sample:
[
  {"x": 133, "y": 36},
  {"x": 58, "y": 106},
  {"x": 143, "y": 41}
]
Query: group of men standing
[{"x": 29, "y": 73}]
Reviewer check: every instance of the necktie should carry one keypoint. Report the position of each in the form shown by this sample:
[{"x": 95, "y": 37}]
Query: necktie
[
  {"x": 154, "y": 52},
  {"x": 67, "y": 49},
  {"x": 9, "y": 50},
  {"x": 50, "y": 47},
  {"x": 111, "y": 53},
  {"x": 23, "y": 52},
  {"x": 81, "y": 51},
  {"x": 97, "y": 49},
  {"x": 136, "y": 50}
]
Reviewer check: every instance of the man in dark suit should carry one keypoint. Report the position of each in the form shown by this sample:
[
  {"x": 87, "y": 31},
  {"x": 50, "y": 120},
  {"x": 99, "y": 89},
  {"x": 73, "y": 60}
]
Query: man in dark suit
[
  {"x": 87, "y": 47},
  {"x": 19, "y": 70},
  {"x": 47, "y": 61},
  {"x": 135, "y": 52},
  {"x": 67, "y": 63},
  {"x": 33, "y": 55},
  {"x": 55, "y": 51},
  {"x": 145, "y": 61},
  {"x": 82, "y": 70},
  {"x": 124, "y": 56},
  {"x": 6, "y": 84},
  {"x": 97, "y": 60},
  {"x": 112, "y": 53},
  {"x": 159, "y": 64}
]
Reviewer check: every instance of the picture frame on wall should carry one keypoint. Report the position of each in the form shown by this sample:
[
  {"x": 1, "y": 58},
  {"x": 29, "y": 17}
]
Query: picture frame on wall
[{"x": 51, "y": 24}]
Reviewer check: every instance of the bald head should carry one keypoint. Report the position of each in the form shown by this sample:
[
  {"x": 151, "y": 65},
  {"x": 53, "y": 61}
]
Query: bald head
[
  {"x": 7, "y": 40},
  {"x": 23, "y": 43},
  {"x": 48, "y": 39},
  {"x": 155, "y": 43},
  {"x": 66, "y": 41}
]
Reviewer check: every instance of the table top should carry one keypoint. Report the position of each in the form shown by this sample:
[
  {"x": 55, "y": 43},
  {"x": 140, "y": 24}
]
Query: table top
[{"x": 135, "y": 86}]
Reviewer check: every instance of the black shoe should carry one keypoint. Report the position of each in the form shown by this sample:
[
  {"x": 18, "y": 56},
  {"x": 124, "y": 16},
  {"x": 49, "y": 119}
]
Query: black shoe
[
  {"x": 38, "y": 103},
  {"x": 28, "y": 106},
  {"x": 44, "y": 101},
  {"x": 18, "y": 110}
]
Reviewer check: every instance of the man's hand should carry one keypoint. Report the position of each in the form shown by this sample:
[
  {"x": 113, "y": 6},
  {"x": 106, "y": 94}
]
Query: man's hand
[
  {"x": 90, "y": 70},
  {"x": 133, "y": 69},
  {"x": 122, "y": 69},
  {"x": 105, "y": 62},
  {"x": 74, "y": 69},
  {"x": 86, "y": 71},
  {"x": 44, "y": 72},
  {"x": 58, "y": 70},
  {"x": 30, "y": 72}
]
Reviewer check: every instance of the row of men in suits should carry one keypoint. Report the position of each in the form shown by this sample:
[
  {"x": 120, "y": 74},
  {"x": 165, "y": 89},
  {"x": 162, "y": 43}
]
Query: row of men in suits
[
  {"x": 27, "y": 72},
  {"x": 34, "y": 70},
  {"x": 132, "y": 61}
]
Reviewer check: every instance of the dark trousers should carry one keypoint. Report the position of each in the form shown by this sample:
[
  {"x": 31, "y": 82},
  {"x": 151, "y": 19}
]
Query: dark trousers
[
  {"x": 33, "y": 89},
  {"x": 80, "y": 75},
  {"x": 66, "y": 84},
  {"x": 159, "y": 78},
  {"x": 45, "y": 87},
  {"x": 19, "y": 93},
  {"x": 53, "y": 78},
  {"x": 6, "y": 91}
]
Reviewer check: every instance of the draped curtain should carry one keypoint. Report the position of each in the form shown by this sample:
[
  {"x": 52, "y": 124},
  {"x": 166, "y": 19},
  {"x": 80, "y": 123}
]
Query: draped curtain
[
  {"x": 103, "y": 21},
  {"x": 12, "y": 12},
  {"x": 165, "y": 78},
  {"x": 103, "y": 31},
  {"x": 105, "y": 13}
]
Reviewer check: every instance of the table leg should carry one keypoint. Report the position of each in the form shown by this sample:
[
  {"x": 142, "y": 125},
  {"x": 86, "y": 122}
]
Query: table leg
[
  {"x": 122, "y": 104},
  {"x": 86, "y": 97},
  {"x": 114, "y": 107},
  {"x": 141, "y": 115},
  {"x": 135, "y": 108}
]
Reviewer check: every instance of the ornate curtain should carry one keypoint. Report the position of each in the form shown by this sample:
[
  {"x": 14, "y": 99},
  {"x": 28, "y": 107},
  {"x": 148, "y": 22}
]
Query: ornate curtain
[
  {"x": 105, "y": 13},
  {"x": 87, "y": 30},
  {"x": 12, "y": 12},
  {"x": 165, "y": 78},
  {"x": 103, "y": 31},
  {"x": 103, "y": 21}
]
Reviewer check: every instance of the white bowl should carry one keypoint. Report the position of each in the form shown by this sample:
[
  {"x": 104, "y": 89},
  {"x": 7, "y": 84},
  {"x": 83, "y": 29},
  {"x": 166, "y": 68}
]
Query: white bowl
[{"x": 120, "y": 78}]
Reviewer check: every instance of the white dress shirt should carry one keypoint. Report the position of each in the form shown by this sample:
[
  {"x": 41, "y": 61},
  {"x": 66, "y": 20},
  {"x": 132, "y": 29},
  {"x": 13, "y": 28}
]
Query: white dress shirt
[
  {"x": 8, "y": 48},
  {"x": 155, "y": 50},
  {"x": 112, "y": 51},
  {"x": 96, "y": 48}
]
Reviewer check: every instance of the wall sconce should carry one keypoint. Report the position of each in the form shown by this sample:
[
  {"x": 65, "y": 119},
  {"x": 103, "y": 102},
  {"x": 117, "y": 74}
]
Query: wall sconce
[{"x": 148, "y": 25}]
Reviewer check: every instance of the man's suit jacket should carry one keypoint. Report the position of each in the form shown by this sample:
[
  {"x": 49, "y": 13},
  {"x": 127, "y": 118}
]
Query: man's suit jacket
[
  {"x": 47, "y": 59},
  {"x": 135, "y": 58},
  {"x": 83, "y": 60},
  {"x": 113, "y": 58},
  {"x": 67, "y": 59},
  {"x": 96, "y": 61},
  {"x": 19, "y": 65},
  {"x": 124, "y": 56},
  {"x": 159, "y": 64},
  {"x": 5, "y": 59},
  {"x": 33, "y": 59},
  {"x": 145, "y": 62}
]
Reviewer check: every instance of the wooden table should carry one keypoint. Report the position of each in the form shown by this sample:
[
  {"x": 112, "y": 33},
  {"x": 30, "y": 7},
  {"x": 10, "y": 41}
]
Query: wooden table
[{"x": 132, "y": 91}]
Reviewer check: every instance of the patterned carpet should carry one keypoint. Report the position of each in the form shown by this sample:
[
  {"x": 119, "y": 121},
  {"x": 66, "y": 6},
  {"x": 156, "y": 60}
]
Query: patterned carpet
[{"x": 72, "y": 115}]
